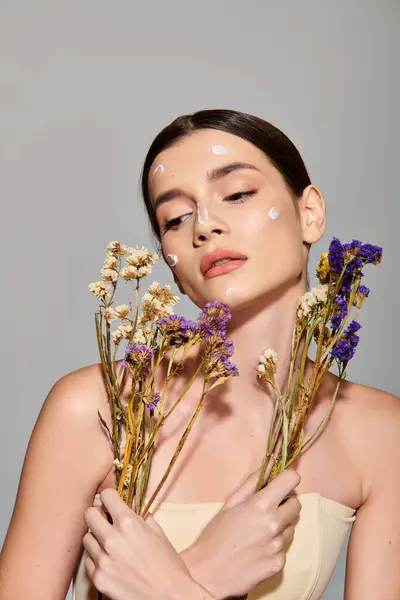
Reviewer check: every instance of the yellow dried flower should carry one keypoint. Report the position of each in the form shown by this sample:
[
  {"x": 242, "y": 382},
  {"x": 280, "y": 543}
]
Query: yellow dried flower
[{"x": 323, "y": 269}]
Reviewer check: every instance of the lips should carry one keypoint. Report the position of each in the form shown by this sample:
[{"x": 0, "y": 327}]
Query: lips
[{"x": 235, "y": 260}]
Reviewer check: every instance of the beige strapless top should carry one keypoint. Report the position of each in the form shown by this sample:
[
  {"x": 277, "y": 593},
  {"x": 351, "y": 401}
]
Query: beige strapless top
[{"x": 310, "y": 560}]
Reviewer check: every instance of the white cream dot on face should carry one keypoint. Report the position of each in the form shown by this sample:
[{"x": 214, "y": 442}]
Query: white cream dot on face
[
  {"x": 201, "y": 219},
  {"x": 219, "y": 149},
  {"x": 158, "y": 169},
  {"x": 273, "y": 213},
  {"x": 172, "y": 260},
  {"x": 230, "y": 291}
]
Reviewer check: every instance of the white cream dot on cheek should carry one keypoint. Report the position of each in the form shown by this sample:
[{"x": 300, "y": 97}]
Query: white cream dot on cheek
[
  {"x": 220, "y": 149},
  {"x": 172, "y": 260},
  {"x": 231, "y": 291},
  {"x": 158, "y": 169},
  {"x": 273, "y": 213}
]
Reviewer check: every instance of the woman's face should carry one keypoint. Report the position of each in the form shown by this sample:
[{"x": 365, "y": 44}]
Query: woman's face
[{"x": 217, "y": 196}]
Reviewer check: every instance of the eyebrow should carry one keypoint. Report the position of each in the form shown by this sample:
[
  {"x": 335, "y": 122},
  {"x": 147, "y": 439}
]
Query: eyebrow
[{"x": 212, "y": 175}]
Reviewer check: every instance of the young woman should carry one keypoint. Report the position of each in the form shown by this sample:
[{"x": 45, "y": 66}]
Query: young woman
[{"x": 218, "y": 186}]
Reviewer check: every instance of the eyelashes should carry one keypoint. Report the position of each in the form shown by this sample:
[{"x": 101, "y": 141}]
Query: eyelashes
[{"x": 177, "y": 222}]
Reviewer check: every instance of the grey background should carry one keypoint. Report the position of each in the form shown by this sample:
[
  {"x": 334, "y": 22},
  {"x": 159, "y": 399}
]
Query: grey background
[{"x": 86, "y": 85}]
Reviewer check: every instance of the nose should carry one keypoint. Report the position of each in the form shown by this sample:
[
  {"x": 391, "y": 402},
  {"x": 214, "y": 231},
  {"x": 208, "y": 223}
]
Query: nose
[{"x": 207, "y": 226}]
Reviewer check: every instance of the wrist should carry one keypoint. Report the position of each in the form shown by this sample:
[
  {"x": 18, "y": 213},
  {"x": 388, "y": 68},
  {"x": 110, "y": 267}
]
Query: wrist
[{"x": 197, "y": 563}]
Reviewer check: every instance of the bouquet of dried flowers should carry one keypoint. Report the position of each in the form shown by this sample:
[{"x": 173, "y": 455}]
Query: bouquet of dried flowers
[
  {"x": 154, "y": 335},
  {"x": 322, "y": 314}
]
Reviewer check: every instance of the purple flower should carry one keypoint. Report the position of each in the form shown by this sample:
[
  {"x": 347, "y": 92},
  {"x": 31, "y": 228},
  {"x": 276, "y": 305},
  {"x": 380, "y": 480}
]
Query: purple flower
[
  {"x": 345, "y": 348},
  {"x": 335, "y": 255},
  {"x": 214, "y": 316},
  {"x": 352, "y": 328},
  {"x": 363, "y": 291},
  {"x": 153, "y": 404},
  {"x": 138, "y": 356},
  {"x": 230, "y": 368},
  {"x": 370, "y": 254},
  {"x": 340, "y": 311},
  {"x": 179, "y": 328}
]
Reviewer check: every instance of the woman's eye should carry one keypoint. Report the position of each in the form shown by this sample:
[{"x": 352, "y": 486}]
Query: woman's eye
[
  {"x": 175, "y": 223},
  {"x": 240, "y": 196}
]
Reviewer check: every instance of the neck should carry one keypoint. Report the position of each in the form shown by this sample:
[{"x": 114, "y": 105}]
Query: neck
[{"x": 268, "y": 325}]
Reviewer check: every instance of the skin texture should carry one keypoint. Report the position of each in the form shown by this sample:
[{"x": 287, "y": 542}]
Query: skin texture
[{"x": 356, "y": 460}]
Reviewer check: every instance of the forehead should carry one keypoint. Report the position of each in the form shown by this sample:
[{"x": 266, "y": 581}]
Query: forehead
[{"x": 192, "y": 156}]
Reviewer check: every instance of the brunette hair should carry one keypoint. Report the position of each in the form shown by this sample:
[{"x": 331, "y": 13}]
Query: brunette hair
[{"x": 269, "y": 139}]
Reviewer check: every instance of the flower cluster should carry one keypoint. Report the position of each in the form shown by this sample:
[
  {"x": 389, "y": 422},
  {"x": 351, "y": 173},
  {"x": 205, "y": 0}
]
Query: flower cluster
[
  {"x": 322, "y": 315},
  {"x": 312, "y": 301},
  {"x": 157, "y": 303},
  {"x": 266, "y": 368},
  {"x": 349, "y": 258},
  {"x": 138, "y": 358},
  {"x": 344, "y": 349},
  {"x": 139, "y": 262},
  {"x": 178, "y": 330},
  {"x": 212, "y": 324},
  {"x": 155, "y": 336}
]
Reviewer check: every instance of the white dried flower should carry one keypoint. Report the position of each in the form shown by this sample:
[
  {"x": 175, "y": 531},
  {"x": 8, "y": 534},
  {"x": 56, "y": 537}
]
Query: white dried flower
[
  {"x": 131, "y": 272},
  {"x": 141, "y": 335},
  {"x": 119, "y": 464},
  {"x": 117, "y": 249},
  {"x": 100, "y": 289},
  {"x": 141, "y": 257},
  {"x": 122, "y": 310},
  {"x": 109, "y": 314},
  {"x": 126, "y": 329},
  {"x": 314, "y": 298},
  {"x": 117, "y": 335},
  {"x": 321, "y": 292},
  {"x": 110, "y": 262},
  {"x": 270, "y": 355},
  {"x": 109, "y": 274}
]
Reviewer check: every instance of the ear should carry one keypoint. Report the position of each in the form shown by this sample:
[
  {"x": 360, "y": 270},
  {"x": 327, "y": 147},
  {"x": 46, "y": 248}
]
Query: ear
[{"x": 312, "y": 214}]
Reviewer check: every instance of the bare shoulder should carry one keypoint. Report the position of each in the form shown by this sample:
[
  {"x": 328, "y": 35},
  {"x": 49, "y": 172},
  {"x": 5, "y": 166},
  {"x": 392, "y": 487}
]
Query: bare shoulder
[
  {"x": 370, "y": 421},
  {"x": 67, "y": 458}
]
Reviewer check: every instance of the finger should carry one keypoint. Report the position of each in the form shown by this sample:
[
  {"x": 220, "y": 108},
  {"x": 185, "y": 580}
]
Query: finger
[
  {"x": 280, "y": 487},
  {"x": 287, "y": 536},
  {"x": 97, "y": 522},
  {"x": 248, "y": 486},
  {"x": 90, "y": 567},
  {"x": 92, "y": 547},
  {"x": 288, "y": 513},
  {"x": 113, "y": 503}
]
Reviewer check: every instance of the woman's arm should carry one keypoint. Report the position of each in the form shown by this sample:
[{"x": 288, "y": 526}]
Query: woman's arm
[
  {"x": 67, "y": 458},
  {"x": 131, "y": 558},
  {"x": 373, "y": 563}
]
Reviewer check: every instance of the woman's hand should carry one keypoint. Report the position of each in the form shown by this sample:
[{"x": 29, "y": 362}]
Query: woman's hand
[
  {"x": 246, "y": 542},
  {"x": 132, "y": 558}
]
